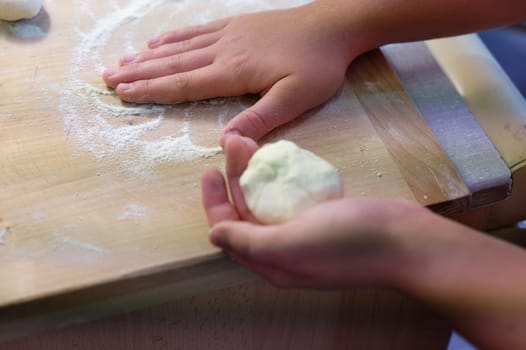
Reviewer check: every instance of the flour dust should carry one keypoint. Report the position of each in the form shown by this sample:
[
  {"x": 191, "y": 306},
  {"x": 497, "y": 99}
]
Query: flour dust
[{"x": 141, "y": 137}]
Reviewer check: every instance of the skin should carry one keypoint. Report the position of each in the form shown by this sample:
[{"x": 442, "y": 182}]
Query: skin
[
  {"x": 248, "y": 53},
  {"x": 477, "y": 281},
  {"x": 216, "y": 60}
]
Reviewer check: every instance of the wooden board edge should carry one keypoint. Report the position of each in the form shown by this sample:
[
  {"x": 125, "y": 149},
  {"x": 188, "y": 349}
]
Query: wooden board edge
[
  {"x": 120, "y": 296},
  {"x": 466, "y": 143},
  {"x": 426, "y": 167}
]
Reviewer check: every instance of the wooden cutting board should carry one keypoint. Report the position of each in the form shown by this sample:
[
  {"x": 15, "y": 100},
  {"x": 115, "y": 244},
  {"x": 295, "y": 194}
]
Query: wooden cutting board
[{"x": 102, "y": 199}]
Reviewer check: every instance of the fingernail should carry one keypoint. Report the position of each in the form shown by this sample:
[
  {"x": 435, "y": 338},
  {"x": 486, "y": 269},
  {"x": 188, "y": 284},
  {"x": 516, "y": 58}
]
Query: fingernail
[
  {"x": 217, "y": 239},
  {"x": 124, "y": 87},
  {"x": 110, "y": 71},
  {"x": 154, "y": 41},
  {"x": 128, "y": 58},
  {"x": 232, "y": 132},
  {"x": 227, "y": 134}
]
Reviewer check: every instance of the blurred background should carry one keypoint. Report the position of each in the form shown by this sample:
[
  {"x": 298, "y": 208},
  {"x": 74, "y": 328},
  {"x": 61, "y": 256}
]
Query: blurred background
[{"x": 508, "y": 45}]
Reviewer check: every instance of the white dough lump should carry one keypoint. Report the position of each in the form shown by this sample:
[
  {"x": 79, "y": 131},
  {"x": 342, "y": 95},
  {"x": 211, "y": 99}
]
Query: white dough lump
[
  {"x": 13, "y": 10},
  {"x": 282, "y": 180}
]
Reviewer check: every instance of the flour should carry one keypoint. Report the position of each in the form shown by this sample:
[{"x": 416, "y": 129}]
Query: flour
[
  {"x": 78, "y": 244},
  {"x": 3, "y": 232},
  {"x": 86, "y": 9},
  {"x": 133, "y": 210},
  {"x": 140, "y": 137}
]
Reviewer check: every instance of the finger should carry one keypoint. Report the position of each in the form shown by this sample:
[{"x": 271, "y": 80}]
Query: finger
[
  {"x": 157, "y": 68},
  {"x": 258, "y": 248},
  {"x": 286, "y": 100},
  {"x": 187, "y": 33},
  {"x": 251, "y": 241},
  {"x": 238, "y": 151},
  {"x": 215, "y": 198},
  {"x": 171, "y": 49},
  {"x": 199, "y": 84},
  {"x": 254, "y": 247}
]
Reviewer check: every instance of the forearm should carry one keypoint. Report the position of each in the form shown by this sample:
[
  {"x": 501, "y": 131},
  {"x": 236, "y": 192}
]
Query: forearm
[
  {"x": 478, "y": 282},
  {"x": 377, "y": 22}
]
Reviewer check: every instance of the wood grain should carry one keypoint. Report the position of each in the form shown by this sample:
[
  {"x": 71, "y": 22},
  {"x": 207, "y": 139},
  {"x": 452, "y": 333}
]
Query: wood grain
[
  {"x": 421, "y": 159},
  {"x": 258, "y": 316},
  {"x": 467, "y": 145},
  {"x": 63, "y": 206},
  {"x": 69, "y": 253}
]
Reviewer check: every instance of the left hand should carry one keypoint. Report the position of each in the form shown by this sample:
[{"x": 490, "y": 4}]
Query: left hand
[
  {"x": 295, "y": 59},
  {"x": 336, "y": 244}
]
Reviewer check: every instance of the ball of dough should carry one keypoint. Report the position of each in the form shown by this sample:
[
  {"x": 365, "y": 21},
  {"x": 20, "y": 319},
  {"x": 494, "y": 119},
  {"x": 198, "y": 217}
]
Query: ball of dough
[
  {"x": 13, "y": 10},
  {"x": 282, "y": 180}
]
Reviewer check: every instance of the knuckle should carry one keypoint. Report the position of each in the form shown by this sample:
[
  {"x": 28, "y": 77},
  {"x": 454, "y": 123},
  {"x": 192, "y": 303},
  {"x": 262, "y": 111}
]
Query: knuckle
[
  {"x": 182, "y": 81},
  {"x": 146, "y": 85},
  {"x": 182, "y": 84},
  {"x": 185, "y": 45},
  {"x": 141, "y": 90},
  {"x": 175, "y": 61},
  {"x": 255, "y": 121},
  {"x": 129, "y": 72},
  {"x": 133, "y": 68},
  {"x": 160, "y": 52}
]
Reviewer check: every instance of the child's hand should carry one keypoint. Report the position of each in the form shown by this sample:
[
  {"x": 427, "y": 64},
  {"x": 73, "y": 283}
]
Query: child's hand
[
  {"x": 293, "y": 58},
  {"x": 336, "y": 244}
]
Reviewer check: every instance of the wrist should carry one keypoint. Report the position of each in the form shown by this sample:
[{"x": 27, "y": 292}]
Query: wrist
[
  {"x": 433, "y": 252},
  {"x": 411, "y": 227},
  {"x": 385, "y": 238},
  {"x": 348, "y": 23}
]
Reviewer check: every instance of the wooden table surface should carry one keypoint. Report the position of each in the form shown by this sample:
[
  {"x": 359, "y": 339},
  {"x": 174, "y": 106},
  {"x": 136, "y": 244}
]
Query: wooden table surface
[{"x": 100, "y": 201}]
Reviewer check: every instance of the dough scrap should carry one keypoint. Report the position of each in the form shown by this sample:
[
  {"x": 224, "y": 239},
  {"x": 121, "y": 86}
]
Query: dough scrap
[
  {"x": 14, "y": 10},
  {"x": 283, "y": 180}
]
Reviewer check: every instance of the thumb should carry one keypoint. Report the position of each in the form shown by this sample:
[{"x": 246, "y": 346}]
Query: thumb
[
  {"x": 285, "y": 100},
  {"x": 240, "y": 237}
]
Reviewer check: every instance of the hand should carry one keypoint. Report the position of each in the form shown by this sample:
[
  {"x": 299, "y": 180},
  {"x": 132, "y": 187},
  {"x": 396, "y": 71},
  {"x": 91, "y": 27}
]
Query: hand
[
  {"x": 291, "y": 57},
  {"x": 336, "y": 244}
]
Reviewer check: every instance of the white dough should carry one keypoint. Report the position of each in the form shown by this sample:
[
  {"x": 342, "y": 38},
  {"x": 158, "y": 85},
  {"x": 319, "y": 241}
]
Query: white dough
[
  {"x": 13, "y": 10},
  {"x": 282, "y": 180}
]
